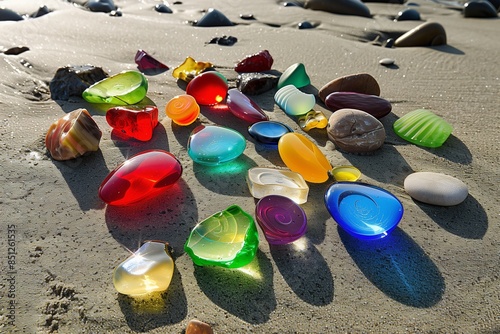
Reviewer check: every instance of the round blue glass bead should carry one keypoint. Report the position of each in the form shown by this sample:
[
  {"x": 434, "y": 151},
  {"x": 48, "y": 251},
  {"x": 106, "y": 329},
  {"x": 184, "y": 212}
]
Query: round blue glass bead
[{"x": 268, "y": 132}]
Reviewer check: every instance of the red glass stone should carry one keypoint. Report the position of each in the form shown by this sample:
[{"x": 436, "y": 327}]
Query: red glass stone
[
  {"x": 142, "y": 176},
  {"x": 146, "y": 62},
  {"x": 133, "y": 121},
  {"x": 208, "y": 88},
  {"x": 243, "y": 107},
  {"x": 259, "y": 62}
]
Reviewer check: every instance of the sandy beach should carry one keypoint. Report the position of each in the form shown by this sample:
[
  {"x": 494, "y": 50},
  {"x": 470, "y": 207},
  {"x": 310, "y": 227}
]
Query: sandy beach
[{"x": 438, "y": 272}]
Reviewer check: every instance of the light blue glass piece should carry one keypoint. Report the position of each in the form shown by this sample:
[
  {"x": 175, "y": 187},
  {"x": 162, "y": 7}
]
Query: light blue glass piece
[
  {"x": 213, "y": 145},
  {"x": 362, "y": 210}
]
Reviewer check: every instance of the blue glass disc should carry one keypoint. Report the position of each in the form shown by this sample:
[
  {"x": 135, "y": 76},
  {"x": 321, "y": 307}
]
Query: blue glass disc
[
  {"x": 268, "y": 132},
  {"x": 362, "y": 210}
]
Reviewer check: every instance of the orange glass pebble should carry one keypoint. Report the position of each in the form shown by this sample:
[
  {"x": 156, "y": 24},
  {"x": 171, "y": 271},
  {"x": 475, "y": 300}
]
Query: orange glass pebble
[
  {"x": 189, "y": 69},
  {"x": 303, "y": 156},
  {"x": 183, "y": 109}
]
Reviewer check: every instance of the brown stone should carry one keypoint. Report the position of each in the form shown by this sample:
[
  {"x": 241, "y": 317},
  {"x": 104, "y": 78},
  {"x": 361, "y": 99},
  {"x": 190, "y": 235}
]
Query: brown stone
[
  {"x": 355, "y": 131},
  {"x": 362, "y": 83},
  {"x": 426, "y": 34},
  {"x": 198, "y": 327},
  {"x": 372, "y": 104}
]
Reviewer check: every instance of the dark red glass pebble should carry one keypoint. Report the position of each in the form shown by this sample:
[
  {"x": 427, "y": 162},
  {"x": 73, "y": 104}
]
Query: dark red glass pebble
[
  {"x": 243, "y": 107},
  {"x": 133, "y": 121},
  {"x": 259, "y": 62}
]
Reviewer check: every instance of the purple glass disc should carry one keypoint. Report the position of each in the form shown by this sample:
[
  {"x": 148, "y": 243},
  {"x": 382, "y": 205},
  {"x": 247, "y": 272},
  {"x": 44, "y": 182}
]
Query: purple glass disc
[{"x": 281, "y": 219}]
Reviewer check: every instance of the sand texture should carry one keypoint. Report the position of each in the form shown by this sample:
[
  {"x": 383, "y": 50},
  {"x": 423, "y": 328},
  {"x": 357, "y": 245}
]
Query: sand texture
[{"x": 438, "y": 272}]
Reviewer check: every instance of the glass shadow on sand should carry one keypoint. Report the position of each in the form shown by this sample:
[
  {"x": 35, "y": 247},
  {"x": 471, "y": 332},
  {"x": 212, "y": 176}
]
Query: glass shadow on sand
[
  {"x": 398, "y": 267},
  {"x": 467, "y": 219},
  {"x": 245, "y": 292},
  {"x": 143, "y": 314},
  {"x": 305, "y": 271}
]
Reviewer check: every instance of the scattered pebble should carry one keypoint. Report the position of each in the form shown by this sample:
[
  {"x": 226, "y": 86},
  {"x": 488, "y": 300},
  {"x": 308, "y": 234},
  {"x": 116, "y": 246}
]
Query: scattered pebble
[
  {"x": 224, "y": 40},
  {"x": 16, "y": 50},
  {"x": 436, "y": 188},
  {"x": 408, "y": 14},
  {"x": 362, "y": 83},
  {"x": 247, "y": 17},
  {"x": 163, "y": 8},
  {"x": 387, "y": 61},
  {"x": 305, "y": 25},
  {"x": 426, "y": 34},
  {"x": 479, "y": 9}
]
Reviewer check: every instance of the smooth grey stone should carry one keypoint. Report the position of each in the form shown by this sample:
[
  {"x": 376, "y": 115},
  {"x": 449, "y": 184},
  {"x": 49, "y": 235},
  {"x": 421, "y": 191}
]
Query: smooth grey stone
[{"x": 436, "y": 188}]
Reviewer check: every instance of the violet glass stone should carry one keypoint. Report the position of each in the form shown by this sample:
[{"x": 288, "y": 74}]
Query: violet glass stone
[
  {"x": 145, "y": 62},
  {"x": 362, "y": 210},
  {"x": 213, "y": 145},
  {"x": 281, "y": 219},
  {"x": 268, "y": 132},
  {"x": 243, "y": 107}
]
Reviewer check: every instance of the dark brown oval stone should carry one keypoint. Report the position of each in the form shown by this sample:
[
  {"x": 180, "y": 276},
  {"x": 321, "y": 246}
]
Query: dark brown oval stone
[
  {"x": 355, "y": 131},
  {"x": 426, "y": 34},
  {"x": 372, "y": 104},
  {"x": 344, "y": 7},
  {"x": 362, "y": 83}
]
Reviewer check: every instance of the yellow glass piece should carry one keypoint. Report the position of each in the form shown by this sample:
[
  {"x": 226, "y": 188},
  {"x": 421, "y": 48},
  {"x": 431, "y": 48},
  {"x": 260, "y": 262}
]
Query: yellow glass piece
[
  {"x": 189, "y": 69},
  {"x": 303, "y": 156},
  {"x": 149, "y": 269},
  {"x": 313, "y": 119},
  {"x": 346, "y": 173}
]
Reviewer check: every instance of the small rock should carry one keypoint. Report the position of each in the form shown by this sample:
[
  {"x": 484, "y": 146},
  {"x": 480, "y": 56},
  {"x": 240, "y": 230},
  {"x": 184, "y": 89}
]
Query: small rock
[
  {"x": 426, "y": 34},
  {"x": 104, "y": 6},
  {"x": 355, "y": 131},
  {"x": 247, "y": 17},
  {"x": 305, "y": 25},
  {"x": 224, "y": 40},
  {"x": 198, "y": 327},
  {"x": 163, "y": 8},
  {"x": 372, "y": 104},
  {"x": 73, "y": 80},
  {"x": 436, "y": 188},
  {"x": 43, "y": 10},
  {"x": 389, "y": 43},
  {"x": 362, "y": 83},
  {"x": 9, "y": 15},
  {"x": 16, "y": 50},
  {"x": 479, "y": 9},
  {"x": 408, "y": 14},
  {"x": 387, "y": 61},
  {"x": 213, "y": 18},
  {"x": 256, "y": 83},
  {"x": 345, "y": 7}
]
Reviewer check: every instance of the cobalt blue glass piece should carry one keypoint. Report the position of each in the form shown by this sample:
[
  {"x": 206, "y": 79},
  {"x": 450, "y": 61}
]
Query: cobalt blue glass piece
[
  {"x": 362, "y": 210},
  {"x": 268, "y": 132}
]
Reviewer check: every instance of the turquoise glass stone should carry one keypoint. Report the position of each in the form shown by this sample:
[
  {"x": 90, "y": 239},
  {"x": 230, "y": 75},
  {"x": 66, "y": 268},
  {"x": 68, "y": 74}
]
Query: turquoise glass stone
[
  {"x": 213, "y": 145},
  {"x": 127, "y": 87},
  {"x": 227, "y": 239}
]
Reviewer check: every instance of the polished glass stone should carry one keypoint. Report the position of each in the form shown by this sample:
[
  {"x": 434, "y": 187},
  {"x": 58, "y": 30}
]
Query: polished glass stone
[
  {"x": 208, "y": 88},
  {"x": 362, "y": 210},
  {"x": 295, "y": 75},
  {"x": 213, "y": 145},
  {"x": 73, "y": 135},
  {"x": 346, "y": 173},
  {"x": 142, "y": 176},
  {"x": 293, "y": 101},
  {"x": 128, "y": 87},
  {"x": 133, "y": 121},
  {"x": 423, "y": 127},
  {"x": 146, "y": 62},
  {"x": 268, "y": 132},
  {"x": 313, "y": 120},
  {"x": 183, "y": 109},
  {"x": 228, "y": 239},
  {"x": 259, "y": 62},
  {"x": 189, "y": 69},
  {"x": 303, "y": 156},
  {"x": 282, "y": 220},
  {"x": 149, "y": 269},
  {"x": 270, "y": 181},
  {"x": 244, "y": 108}
]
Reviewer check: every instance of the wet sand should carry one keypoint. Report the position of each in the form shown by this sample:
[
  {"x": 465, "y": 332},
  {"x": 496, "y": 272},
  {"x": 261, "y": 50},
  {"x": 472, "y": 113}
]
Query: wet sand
[{"x": 437, "y": 272}]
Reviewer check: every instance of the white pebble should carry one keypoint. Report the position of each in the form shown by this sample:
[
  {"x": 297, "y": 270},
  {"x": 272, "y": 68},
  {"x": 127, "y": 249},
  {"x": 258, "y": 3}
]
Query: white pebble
[{"x": 436, "y": 188}]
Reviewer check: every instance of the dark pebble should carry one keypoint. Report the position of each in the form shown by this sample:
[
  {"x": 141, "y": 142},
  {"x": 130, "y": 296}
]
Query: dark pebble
[
  {"x": 389, "y": 43},
  {"x": 344, "y": 7},
  {"x": 117, "y": 13},
  {"x": 408, "y": 14},
  {"x": 43, "y": 10},
  {"x": 103, "y": 6},
  {"x": 254, "y": 83},
  {"x": 162, "y": 8},
  {"x": 305, "y": 25},
  {"x": 16, "y": 50},
  {"x": 9, "y": 15},
  {"x": 496, "y": 4},
  {"x": 224, "y": 40},
  {"x": 247, "y": 17},
  {"x": 479, "y": 9},
  {"x": 213, "y": 18},
  {"x": 73, "y": 80}
]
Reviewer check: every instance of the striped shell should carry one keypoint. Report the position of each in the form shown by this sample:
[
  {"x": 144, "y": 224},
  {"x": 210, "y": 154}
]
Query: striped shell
[
  {"x": 293, "y": 101},
  {"x": 73, "y": 135},
  {"x": 424, "y": 128}
]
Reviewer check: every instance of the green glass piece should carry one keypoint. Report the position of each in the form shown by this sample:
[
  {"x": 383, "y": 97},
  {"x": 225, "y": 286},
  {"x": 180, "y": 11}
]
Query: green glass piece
[
  {"x": 423, "y": 127},
  {"x": 294, "y": 75},
  {"x": 127, "y": 87},
  {"x": 228, "y": 239}
]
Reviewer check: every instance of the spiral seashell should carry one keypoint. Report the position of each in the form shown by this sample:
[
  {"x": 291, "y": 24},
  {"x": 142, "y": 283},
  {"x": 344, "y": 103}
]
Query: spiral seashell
[
  {"x": 423, "y": 127},
  {"x": 293, "y": 101},
  {"x": 73, "y": 135},
  {"x": 183, "y": 109}
]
